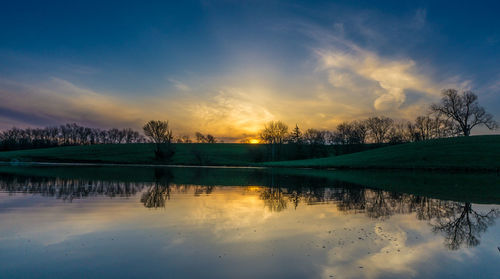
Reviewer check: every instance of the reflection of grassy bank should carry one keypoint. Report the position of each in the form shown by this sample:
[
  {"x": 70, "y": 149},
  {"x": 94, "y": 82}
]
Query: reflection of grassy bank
[
  {"x": 466, "y": 187},
  {"x": 463, "y": 153}
]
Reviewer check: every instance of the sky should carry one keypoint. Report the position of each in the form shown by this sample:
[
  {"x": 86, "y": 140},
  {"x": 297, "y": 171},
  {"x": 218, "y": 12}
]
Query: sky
[{"x": 228, "y": 67}]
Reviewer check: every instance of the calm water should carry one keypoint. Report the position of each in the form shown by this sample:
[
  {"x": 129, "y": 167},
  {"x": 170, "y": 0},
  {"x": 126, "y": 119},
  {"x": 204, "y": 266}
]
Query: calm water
[{"x": 89, "y": 222}]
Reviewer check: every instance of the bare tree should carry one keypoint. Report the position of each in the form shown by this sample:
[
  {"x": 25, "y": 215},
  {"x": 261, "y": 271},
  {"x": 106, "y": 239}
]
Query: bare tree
[
  {"x": 200, "y": 138},
  {"x": 68, "y": 134},
  {"x": 378, "y": 127},
  {"x": 274, "y": 133},
  {"x": 158, "y": 132},
  {"x": 314, "y": 137},
  {"x": 464, "y": 109},
  {"x": 210, "y": 139},
  {"x": 351, "y": 133}
]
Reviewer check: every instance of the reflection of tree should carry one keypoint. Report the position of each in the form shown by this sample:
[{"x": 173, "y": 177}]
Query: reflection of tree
[
  {"x": 274, "y": 199},
  {"x": 460, "y": 224},
  {"x": 69, "y": 189},
  {"x": 465, "y": 227},
  {"x": 200, "y": 190},
  {"x": 156, "y": 195}
]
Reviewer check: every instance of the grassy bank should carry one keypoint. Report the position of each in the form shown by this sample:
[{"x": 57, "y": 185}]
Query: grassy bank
[
  {"x": 463, "y": 153},
  {"x": 185, "y": 154}
]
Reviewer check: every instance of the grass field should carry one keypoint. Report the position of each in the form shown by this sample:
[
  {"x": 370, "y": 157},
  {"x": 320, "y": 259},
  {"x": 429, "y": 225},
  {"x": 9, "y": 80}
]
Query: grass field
[
  {"x": 185, "y": 154},
  {"x": 462, "y": 153}
]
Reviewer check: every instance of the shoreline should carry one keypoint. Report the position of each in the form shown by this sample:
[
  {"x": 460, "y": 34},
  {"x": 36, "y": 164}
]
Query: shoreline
[{"x": 256, "y": 166}]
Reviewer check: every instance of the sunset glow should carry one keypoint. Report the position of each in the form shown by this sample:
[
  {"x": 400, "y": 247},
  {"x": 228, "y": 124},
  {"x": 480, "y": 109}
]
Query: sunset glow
[
  {"x": 227, "y": 69},
  {"x": 249, "y": 139}
]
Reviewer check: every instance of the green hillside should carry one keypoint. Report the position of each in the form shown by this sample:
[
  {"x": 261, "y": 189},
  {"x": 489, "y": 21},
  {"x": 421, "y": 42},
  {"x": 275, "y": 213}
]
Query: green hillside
[
  {"x": 464, "y": 153},
  {"x": 185, "y": 154}
]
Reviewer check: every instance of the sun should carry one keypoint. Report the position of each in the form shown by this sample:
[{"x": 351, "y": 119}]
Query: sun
[{"x": 254, "y": 141}]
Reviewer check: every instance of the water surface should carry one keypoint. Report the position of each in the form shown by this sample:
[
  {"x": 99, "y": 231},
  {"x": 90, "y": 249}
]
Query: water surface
[{"x": 235, "y": 223}]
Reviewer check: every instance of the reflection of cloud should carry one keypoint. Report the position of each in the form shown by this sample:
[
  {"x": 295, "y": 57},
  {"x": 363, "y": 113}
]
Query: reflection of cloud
[
  {"x": 390, "y": 251},
  {"x": 57, "y": 222},
  {"x": 235, "y": 220}
]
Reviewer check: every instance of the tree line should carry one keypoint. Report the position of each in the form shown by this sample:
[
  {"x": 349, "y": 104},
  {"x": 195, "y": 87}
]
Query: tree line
[
  {"x": 63, "y": 135},
  {"x": 456, "y": 114}
]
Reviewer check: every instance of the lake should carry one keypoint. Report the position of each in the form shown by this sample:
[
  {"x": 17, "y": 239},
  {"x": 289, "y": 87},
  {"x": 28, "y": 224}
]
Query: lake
[{"x": 140, "y": 222}]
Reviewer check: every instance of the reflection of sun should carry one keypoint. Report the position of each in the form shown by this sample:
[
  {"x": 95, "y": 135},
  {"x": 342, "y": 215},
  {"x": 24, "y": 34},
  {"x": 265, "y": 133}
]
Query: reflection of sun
[
  {"x": 253, "y": 188},
  {"x": 254, "y": 141}
]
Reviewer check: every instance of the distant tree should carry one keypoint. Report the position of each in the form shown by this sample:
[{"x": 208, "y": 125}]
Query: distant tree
[
  {"x": 200, "y": 138},
  {"x": 295, "y": 136},
  {"x": 399, "y": 133},
  {"x": 350, "y": 133},
  {"x": 68, "y": 134},
  {"x": 314, "y": 137},
  {"x": 429, "y": 127},
  {"x": 184, "y": 139},
  {"x": 158, "y": 132},
  {"x": 463, "y": 108},
  {"x": 378, "y": 127},
  {"x": 274, "y": 134},
  {"x": 210, "y": 139}
]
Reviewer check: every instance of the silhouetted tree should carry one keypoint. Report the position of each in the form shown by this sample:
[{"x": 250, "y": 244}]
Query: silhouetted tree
[
  {"x": 464, "y": 110},
  {"x": 68, "y": 134},
  {"x": 158, "y": 132},
  {"x": 200, "y": 138},
  {"x": 399, "y": 133},
  {"x": 274, "y": 134},
  {"x": 378, "y": 127},
  {"x": 350, "y": 133},
  {"x": 295, "y": 136},
  {"x": 210, "y": 139}
]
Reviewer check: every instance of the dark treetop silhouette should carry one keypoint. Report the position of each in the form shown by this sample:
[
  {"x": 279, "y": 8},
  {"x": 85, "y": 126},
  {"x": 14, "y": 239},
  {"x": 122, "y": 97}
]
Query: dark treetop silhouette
[{"x": 464, "y": 109}]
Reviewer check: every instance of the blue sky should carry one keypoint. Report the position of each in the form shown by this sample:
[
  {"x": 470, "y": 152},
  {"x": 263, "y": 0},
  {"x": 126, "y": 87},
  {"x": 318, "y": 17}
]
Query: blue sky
[{"x": 227, "y": 67}]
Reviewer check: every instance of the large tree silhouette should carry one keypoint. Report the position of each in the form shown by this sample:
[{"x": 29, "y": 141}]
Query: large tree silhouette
[{"x": 464, "y": 109}]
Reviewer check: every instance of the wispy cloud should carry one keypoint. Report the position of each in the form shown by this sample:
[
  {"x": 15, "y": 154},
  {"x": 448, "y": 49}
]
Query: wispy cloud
[
  {"x": 420, "y": 18},
  {"x": 179, "y": 85},
  {"x": 59, "y": 101},
  {"x": 339, "y": 80}
]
